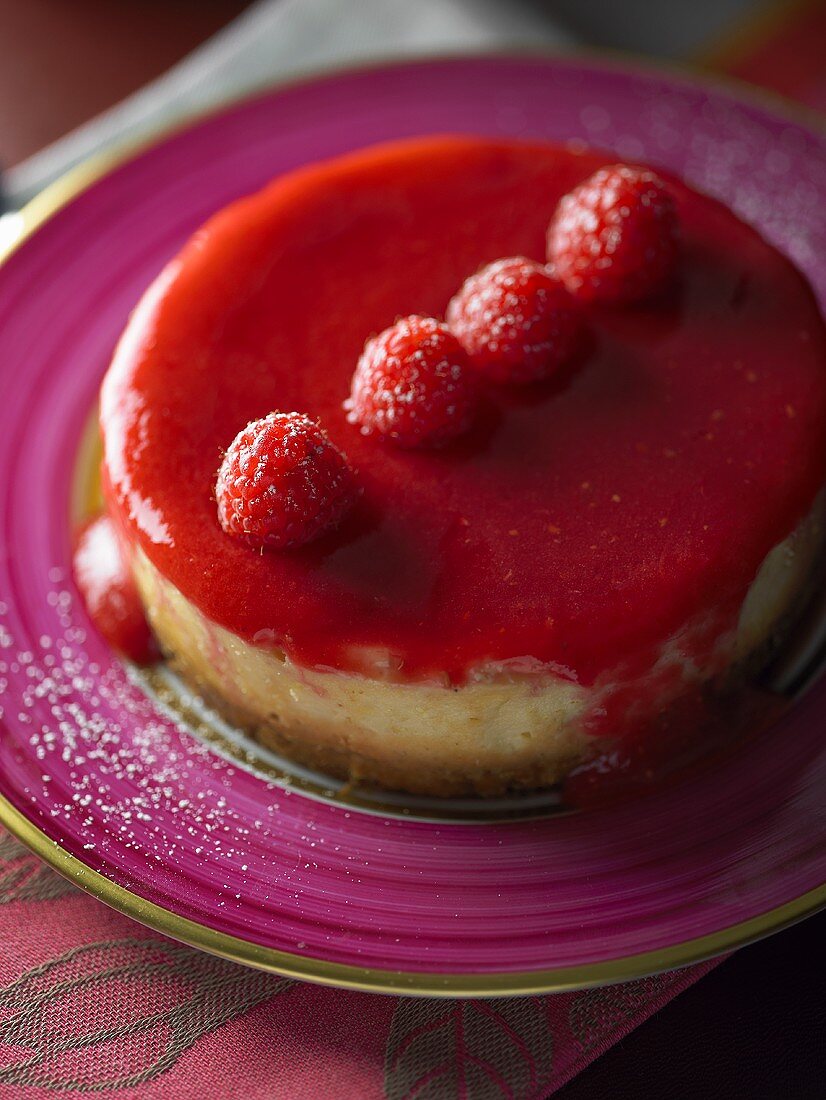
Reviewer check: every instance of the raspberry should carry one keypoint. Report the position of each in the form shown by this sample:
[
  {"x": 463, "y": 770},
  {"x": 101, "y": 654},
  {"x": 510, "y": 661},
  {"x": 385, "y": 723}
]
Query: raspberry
[
  {"x": 516, "y": 322},
  {"x": 282, "y": 482},
  {"x": 413, "y": 384},
  {"x": 614, "y": 238}
]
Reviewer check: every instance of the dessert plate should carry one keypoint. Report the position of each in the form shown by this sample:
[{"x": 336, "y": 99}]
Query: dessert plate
[{"x": 123, "y": 792}]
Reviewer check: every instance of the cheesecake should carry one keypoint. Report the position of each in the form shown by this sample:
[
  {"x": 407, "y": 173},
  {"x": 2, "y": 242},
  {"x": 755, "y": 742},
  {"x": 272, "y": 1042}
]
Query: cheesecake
[{"x": 490, "y": 612}]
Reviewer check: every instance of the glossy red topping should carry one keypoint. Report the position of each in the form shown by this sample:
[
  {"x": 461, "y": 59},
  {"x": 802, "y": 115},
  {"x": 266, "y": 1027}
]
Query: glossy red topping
[
  {"x": 579, "y": 522},
  {"x": 282, "y": 483},
  {"x": 516, "y": 322},
  {"x": 412, "y": 384},
  {"x": 105, "y": 582},
  {"x": 614, "y": 237},
  {"x": 694, "y": 733}
]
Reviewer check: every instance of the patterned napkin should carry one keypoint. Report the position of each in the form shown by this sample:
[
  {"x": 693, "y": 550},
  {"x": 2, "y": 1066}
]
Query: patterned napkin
[{"x": 91, "y": 1002}]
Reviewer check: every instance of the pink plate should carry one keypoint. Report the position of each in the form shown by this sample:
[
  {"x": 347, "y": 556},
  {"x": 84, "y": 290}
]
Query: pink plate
[{"x": 111, "y": 789}]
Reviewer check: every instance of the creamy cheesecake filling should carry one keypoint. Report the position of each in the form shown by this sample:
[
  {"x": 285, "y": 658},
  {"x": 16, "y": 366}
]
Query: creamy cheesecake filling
[{"x": 508, "y": 726}]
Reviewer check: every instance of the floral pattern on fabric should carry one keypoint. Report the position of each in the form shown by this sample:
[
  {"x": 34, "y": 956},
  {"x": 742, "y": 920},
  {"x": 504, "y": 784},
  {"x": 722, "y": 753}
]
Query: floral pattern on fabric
[
  {"x": 597, "y": 1012},
  {"x": 62, "y": 1025},
  {"x": 484, "y": 1049},
  {"x": 23, "y": 877}
]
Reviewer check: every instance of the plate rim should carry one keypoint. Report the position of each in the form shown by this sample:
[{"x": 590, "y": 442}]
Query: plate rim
[
  {"x": 400, "y": 982},
  {"x": 41, "y": 209}
]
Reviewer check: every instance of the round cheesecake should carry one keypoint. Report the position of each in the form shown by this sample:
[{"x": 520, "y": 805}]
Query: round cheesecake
[{"x": 493, "y": 611}]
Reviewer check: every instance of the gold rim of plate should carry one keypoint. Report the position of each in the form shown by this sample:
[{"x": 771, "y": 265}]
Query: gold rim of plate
[{"x": 558, "y": 979}]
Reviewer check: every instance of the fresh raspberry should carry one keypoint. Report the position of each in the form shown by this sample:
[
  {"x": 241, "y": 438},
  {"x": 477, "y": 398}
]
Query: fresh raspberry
[
  {"x": 614, "y": 238},
  {"x": 413, "y": 384},
  {"x": 282, "y": 482},
  {"x": 516, "y": 322}
]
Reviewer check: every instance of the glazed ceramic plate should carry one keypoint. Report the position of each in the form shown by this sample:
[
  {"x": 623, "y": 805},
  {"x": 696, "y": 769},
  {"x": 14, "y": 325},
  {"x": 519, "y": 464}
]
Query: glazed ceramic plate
[{"x": 128, "y": 796}]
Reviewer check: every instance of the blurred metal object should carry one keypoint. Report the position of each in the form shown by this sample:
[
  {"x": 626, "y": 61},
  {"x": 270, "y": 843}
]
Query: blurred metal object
[
  {"x": 676, "y": 30},
  {"x": 11, "y": 226}
]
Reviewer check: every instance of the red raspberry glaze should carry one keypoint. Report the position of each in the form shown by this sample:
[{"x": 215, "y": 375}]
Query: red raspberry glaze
[
  {"x": 105, "y": 582},
  {"x": 282, "y": 483},
  {"x": 516, "y": 322},
  {"x": 579, "y": 522},
  {"x": 412, "y": 385},
  {"x": 614, "y": 237}
]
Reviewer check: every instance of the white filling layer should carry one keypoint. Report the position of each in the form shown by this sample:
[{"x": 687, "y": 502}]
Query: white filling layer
[{"x": 527, "y": 727}]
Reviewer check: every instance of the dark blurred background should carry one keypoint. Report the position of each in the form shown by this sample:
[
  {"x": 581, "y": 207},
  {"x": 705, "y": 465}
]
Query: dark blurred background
[{"x": 64, "y": 61}]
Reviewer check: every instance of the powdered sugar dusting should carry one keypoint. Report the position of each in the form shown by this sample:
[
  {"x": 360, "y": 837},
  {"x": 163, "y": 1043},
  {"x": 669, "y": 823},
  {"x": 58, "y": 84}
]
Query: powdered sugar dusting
[{"x": 101, "y": 744}]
